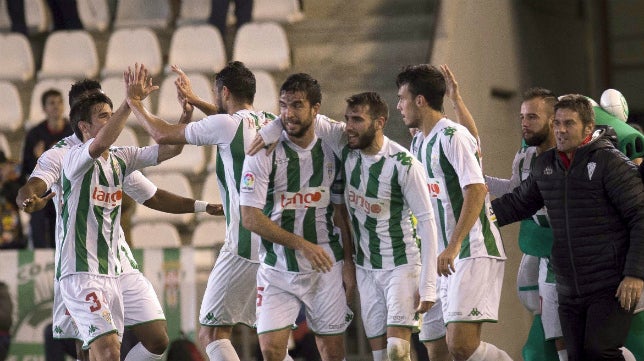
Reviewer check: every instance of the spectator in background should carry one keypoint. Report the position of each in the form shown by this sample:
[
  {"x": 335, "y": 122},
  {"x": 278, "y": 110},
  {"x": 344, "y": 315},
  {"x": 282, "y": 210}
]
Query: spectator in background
[
  {"x": 40, "y": 138},
  {"x": 16, "y": 10},
  {"x": 219, "y": 13},
  {"x": 11, "y": 236},
  {"x": 6, "y": 319},
  {"x": 65, "y": 14}
]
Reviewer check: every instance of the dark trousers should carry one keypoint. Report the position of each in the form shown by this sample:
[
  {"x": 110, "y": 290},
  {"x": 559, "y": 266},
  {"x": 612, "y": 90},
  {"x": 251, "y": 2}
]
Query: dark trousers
[
  {"x": 43, "y": 227},
  {"x": 219, "y": 12},
  {"x": 594, "y": 326}
]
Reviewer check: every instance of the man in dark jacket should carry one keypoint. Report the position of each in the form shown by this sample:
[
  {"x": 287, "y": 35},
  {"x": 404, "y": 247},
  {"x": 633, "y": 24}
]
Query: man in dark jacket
[{"x": 595, "y": 202}]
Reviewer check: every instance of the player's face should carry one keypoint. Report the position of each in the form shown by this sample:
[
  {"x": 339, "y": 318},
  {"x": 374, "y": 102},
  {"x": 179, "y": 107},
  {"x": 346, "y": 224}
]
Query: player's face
[
  {"x": 101, "y": 114},
  {"x": 219, "y": 100},
  {"x": 407, "y": 107},
  {"x": 360, "y": 129},
  {"x": 54, "y": 107},
  {"x": 569, "y": 130},
  {"x": 535, "y": 122},
  {"x": 297, "y": 113}
]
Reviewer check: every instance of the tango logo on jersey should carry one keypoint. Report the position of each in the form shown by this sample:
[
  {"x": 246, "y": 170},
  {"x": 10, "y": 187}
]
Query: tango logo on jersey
[
  {"x": 317, "y": 197},
  {"x": 247, "y": 182},
  {"x": 107, "y": 196},
  {"x": 372, "y": 207}
]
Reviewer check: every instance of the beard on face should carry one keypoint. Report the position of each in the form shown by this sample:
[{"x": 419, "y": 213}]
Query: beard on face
[
  {"x": 539, "y": 137},
  {"x": 365, "y": 139}
]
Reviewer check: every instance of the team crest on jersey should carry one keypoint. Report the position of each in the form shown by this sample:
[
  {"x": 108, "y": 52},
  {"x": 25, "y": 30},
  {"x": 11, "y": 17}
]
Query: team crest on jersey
[
  {"x": 247, "y": 184},
  {"x": 310, "y": 197},
  {"x": 591, "y": 169},
  {"x": 108, "y": 197}
]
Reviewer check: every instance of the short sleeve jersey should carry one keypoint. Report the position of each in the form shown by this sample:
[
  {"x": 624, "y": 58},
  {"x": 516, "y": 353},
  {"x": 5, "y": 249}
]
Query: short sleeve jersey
[
  {"x": 295, "y": 187},
  {"x": 92, "y": 193},
  {"x": 449, "y": 154},
  {"x": 382, "y": 191},
  {"x": 232, "y": 134},
  {"x": 49, "y": 169}
]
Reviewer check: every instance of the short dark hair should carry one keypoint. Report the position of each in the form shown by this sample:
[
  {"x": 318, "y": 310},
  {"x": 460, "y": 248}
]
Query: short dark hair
[
  {"x": 82, "y": 110},
  {"x": 377, "y": 106},
  {"x": 83, "y": 88},
  {"x": 49, "y": 93},
  {"x": 580, "y": 104},
  {"x": 305, "y": 83},
  {"x": 239, "y": 80},
  {"x": 537, "y": 92},
  {"x": 426, "y": 80}
]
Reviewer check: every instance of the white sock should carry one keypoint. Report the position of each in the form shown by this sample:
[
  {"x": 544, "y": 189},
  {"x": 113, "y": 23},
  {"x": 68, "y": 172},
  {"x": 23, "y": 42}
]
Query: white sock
[
  {"x": 398, "y": 349},
  {"x": 628, "y": 355},
  {"x": 140, "y": 353},
  {"x": 563, "y": 355},
  {"x": 380, "y": 355},
  {"x": 221, "y": 350},
  {"x": 488, "y": 352}
]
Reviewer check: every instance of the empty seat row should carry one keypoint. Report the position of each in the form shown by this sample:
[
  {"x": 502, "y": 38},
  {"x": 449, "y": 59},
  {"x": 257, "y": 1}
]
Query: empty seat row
[
  {"x": 198, "y": 48},
  {"x": 95, "y": 14}
]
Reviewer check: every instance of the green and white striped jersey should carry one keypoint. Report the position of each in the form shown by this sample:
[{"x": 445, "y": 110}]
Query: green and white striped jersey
[
  {"x": 92, "y": 191},
  {"x": 449, "y": 154},
  {"x": 49, "y": 169},
  {"x": 232, "y": 134},
  {"x": 295, "y": 187}
]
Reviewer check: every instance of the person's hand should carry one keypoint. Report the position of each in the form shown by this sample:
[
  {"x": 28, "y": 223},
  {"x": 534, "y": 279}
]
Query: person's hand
[
  {"x": 445, "y": 263},
  {"x": 451, "y": 90},
  {"x": 138, "y": 82},
  {"x": 349, "y": 281},
  {"x": 35, "y": 203},
  {"x": 424, "y": 306},
  {"x": 215, "y": 209},
  {"x": 629, "y": 292},
  {"x": 184, "y": 87},
  {"x": 317, "y": 256}
]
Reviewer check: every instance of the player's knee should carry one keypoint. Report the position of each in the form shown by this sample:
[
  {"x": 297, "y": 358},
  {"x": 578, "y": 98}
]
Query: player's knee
[
  {"x": 461, "y": 349},
  {"x": 398, "y": 349}
]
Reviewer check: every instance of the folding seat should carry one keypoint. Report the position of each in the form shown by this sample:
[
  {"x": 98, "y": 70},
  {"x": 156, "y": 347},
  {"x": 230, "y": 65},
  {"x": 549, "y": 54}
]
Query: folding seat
[
  {"x": 128, "y": 46},
  {"x": 197, "y": 48},
  {"x": 70, "y": 54},
  {"x": 94, "y": 14},
  {"x": 172, "y": 182},
  {"x": 194, "y": 12},
  {"x": 266, "y": 96},
  {"x": 209, "y": 193},
  {"x": 155, "y": 235},
  {"x": 11, "y": 116},
  {"x": 168, "y": 107},
  {"x": 17, "y": 60},
  {"x": 127, "y": 138},
  {"x": 36, "y": 114},
  {"x": 283, "y": 11},
  {"x": 153, "y": 14},
  {"x": 262, "y": 46}
]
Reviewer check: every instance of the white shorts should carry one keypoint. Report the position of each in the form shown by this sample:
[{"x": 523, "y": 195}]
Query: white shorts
[
  {"x": 433, "y": 326},
  {"x": 231, "y": 292},
  {"x": 139, "y": 299},
  {"x": 387, "y": 298},
  {"x": 471, "y": 294},
  {"x": 549, "y": 303},
  {"x": 63, "y": 324},
  {"x": 95, "y": 303},
  {"x": 280, "y": 295}
]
